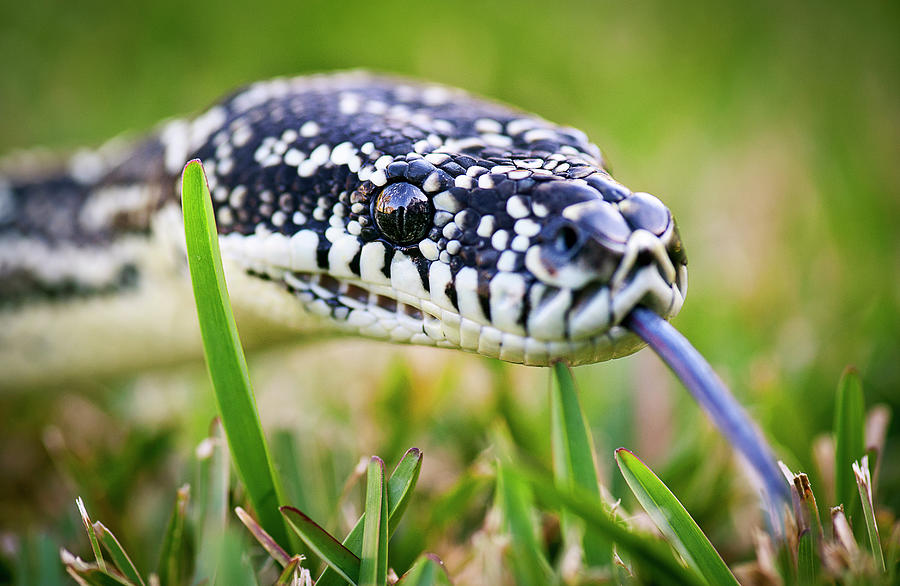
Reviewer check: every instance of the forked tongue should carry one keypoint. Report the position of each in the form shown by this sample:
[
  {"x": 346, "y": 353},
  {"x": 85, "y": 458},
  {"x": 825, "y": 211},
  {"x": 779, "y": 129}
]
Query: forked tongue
[{"x": 713, "y": 396}]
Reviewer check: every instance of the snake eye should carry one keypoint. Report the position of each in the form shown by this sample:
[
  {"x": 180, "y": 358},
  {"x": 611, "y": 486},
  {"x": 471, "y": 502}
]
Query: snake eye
[{"x": 403, "y": 213}]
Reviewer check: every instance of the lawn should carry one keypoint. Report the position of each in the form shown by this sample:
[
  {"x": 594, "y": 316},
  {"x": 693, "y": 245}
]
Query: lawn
[{"x": 769, "y": 129}]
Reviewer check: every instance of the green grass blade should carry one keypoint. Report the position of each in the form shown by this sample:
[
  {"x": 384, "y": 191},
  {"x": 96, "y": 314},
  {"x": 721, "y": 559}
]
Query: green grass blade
[
  {"x": 647, "y": 553},
  {"x": 806, "y": 558},
  {"x": 117, "y": 553},
  {"x": 296, "y": 479},
  {"x": 92, "y": 537},
  {"x": 234, "y": 563},
  {"x": 400, "y": 487},
  {"x": 373, "y": 563},
  {"x": 514, "y": 500},
  {"x": 573, "y": 456},
  {"x": 288, "y": 573},
  {"x": 526, "y": 555},
  {"x": 213, "y": 501},
  {"x": 864, "y": 483},
  {"x": 338, "y": 557},
  {"x": 173, "y": 562},
  {"x": 893, "y": 555},
  {"x": 849, "y": 439},
  {"x": 225, "y": 357},
  {"x": 573, "y": 460},
  {"x": 673, "y": 520},
  {"x": 428, "y": 570},
  {"x": 37, "y": 562},
  {"x": 293, "y": 574}
]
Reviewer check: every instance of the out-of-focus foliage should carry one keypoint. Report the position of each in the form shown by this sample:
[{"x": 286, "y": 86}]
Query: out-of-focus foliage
[{"x": 769, "y": 128}]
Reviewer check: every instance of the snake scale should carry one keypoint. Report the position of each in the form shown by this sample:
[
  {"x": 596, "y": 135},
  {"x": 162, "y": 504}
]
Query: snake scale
[{"x": 350, "y": 202}]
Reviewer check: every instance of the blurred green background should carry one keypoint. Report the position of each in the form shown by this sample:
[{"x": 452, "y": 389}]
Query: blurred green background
[{"x": 771, "y": 129}]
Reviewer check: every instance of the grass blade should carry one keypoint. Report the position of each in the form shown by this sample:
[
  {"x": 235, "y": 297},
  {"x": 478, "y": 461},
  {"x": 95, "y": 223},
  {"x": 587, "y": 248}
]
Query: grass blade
[
  {"x": 95, "y": 577},
  {"x": 373, "y": 564},
  {"x": 849, "y": 439},
  {"x": 573, "y": 457},
  {"x": 37, "y": 562},
  {"x": 301, "y": 478},
  {"x": 344, "y": 561},
  {"x": 526, "y": 555},
  {"x": 265, "y": 540},
  {"x": 673, "y": 520},
  {"x": 92, "y": 537},
  {"x": 117, "y": 553},
  {"x": 864, "y": 483},
  {"x": 212, "y": 501},
  {"x": 234, "y": 563},
  {"x": 289, "y": 573},
  {"x": 90, "y": 574},
  {"x": 806, "y": 558},
  {"x": 225, "y": 357},
  {"x": 573, "y": 460},
  {"x": 654, "y": 557},
  {"x": 400, "y": 487},
  {"x": 808, "y": 513},
  {"x": 514, "y": 500},
  {"x": 428, "y": 570},
  {"x": 173, "y": 563},
  {"x": 293, "y": 574},
  {"x": 843, "y": 535}
]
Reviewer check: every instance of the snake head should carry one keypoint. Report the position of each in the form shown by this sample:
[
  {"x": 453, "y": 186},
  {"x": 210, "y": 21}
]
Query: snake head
[
  {"x": 509, "y": 259},
  {"x": 539, "y": 266},
  {"x": 613, "y": 249},
  {"x": 419, "y": 214}
]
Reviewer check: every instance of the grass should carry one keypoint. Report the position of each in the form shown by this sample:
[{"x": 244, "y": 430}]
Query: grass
[
  {"x": 603, "y": 539},
  {"x": 680, "y": 554},
  {"x": 780, "y": 171},
  {"x": 849, "y": 438},
  {"x": 673, "y": 520}
]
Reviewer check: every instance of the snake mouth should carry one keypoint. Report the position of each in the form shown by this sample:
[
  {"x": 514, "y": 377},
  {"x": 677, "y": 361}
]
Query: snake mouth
[
  {"x": 651, "y": 271},
  {"x": 650, "y": 274},
  {"x": 514, "y": 318},
  {"x": 590, "y": 319}
]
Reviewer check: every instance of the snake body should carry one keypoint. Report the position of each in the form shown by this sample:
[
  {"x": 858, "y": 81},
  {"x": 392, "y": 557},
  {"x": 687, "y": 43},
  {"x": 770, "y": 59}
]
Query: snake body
[{"x": 394, "y": 209}]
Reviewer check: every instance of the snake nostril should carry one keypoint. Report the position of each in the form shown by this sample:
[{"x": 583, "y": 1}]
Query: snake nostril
[
  {"x": 566, "y": 239},
  {"x": 644, "y": 258}
]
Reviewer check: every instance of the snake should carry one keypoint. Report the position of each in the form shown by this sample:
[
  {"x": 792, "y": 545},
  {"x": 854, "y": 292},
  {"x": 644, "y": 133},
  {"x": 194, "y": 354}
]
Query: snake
[{"x": 349, "y": 202}]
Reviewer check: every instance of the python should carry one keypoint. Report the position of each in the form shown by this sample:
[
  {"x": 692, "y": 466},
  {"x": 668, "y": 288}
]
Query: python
[{"x": 348, "y": 202}]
